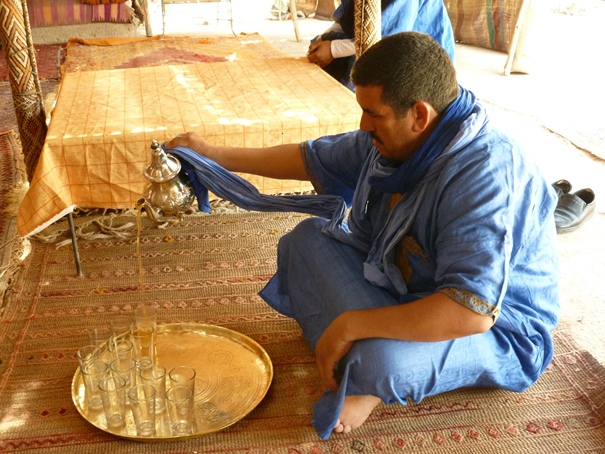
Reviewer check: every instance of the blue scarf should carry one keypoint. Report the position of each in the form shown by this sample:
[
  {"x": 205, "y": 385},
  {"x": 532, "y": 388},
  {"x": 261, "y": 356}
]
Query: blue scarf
[
  {"x": 447, "y": 139},
  {"x": 391, "y": 179}
]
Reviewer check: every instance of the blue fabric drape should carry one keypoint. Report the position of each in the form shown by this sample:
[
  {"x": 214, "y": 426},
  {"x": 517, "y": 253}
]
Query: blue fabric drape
[
  {"x": 392, "y": 178},
  {"x": 206, "y": 175},
  {"x": 394, "y": 370}
]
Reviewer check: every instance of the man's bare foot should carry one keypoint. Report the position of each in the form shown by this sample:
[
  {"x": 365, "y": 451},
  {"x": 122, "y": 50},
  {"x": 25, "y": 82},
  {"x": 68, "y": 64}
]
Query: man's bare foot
[{"x": 355, "y": 411}]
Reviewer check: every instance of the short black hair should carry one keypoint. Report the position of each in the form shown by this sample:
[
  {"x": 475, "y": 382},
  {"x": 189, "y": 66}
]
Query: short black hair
[{"x": 410, "y": 67}]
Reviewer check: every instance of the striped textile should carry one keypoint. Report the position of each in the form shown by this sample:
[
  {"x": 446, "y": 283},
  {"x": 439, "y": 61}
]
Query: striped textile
[{"x": 45, "y": 13}]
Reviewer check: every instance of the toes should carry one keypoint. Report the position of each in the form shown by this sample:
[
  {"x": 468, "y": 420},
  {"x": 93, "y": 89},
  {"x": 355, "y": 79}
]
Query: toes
[{"x": 342, "y": 428}]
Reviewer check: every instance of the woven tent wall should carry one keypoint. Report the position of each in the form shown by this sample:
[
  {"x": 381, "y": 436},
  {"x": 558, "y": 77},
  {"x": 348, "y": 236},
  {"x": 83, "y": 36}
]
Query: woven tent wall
[
  {"x": 484, "y": 23},
  {"x": 15, "y": 34},
  {"x": 367, "y": 24},
  {"x": 511, "y": 26}
]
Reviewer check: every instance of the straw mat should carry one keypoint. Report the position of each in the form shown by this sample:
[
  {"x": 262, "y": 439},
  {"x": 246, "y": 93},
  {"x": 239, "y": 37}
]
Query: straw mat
[{"x": 208, "y": 269}]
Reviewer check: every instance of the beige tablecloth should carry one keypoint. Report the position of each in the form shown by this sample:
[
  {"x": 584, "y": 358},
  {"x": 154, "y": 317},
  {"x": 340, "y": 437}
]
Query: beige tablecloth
[{"x": 104, "y": 122}]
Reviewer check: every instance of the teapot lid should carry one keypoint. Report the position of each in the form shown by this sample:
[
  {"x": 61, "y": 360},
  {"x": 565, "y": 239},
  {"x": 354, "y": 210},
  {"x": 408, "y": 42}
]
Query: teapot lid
[{"x": 162, "y": 166}]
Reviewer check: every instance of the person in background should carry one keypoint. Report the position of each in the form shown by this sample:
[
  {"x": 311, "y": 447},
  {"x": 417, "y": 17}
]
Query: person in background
[
  {"x": 281, "y": 10},
  {"x": 334, "y": 50},
  {"x": 445, "y": 273}
]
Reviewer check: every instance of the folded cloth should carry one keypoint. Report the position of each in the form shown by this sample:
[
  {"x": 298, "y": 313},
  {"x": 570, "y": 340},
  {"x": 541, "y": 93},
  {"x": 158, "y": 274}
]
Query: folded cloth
[
  {"x": 573, "y": 209},
  {"x": 206, "y": 174}
]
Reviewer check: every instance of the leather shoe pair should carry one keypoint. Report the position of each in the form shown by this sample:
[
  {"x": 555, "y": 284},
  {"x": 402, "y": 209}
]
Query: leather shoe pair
[
  {"x": 562, "y": 187},
  {"x": 573, "y": 209}
]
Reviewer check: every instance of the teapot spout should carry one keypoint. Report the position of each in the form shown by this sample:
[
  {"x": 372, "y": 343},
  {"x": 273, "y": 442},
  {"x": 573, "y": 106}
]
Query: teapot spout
[{"x": 144, "y": 206}]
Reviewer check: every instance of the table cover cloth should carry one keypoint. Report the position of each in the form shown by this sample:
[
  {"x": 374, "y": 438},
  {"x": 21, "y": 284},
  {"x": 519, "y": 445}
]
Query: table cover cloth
[{"x": 103, "y": 123}]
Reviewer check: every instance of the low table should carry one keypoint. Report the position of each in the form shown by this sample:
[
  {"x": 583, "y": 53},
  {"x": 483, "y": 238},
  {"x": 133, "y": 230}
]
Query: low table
[{"x": 104, "y": 122}]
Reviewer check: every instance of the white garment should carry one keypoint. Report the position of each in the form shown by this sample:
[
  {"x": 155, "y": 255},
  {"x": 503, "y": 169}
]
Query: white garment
[{"x": 341, "y": 47}]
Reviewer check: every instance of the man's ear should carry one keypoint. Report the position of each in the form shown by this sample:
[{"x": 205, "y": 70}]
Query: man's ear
[{"x": 423, "y": 115}]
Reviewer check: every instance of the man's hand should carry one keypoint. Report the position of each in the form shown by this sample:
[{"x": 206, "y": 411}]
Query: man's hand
[
  {"x": 330, "y": 348},
  {"x": 189, "y": 140},
  {"x": 320, "y": 53}
]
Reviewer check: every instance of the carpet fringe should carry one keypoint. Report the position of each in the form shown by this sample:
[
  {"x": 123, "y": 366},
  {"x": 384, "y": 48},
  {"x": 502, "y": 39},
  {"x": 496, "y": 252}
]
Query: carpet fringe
[{"x": 99, "y": 224}]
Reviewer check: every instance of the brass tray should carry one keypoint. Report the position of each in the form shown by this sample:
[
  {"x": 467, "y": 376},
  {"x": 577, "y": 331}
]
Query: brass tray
[{"x": 233, "y": 376}]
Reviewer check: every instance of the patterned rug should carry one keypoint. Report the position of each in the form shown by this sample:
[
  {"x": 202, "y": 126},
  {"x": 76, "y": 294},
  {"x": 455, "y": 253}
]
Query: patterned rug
[
  {"x": 208, "y": 269},
  {"x": 117, "y": 53},
  {"x": 11, "y": 186},
  {"x": 48, "y": 59}
]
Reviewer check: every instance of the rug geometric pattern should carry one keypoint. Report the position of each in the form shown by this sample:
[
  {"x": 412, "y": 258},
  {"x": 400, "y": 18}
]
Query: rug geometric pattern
[
  {"x": 208, "y": 269},
  {"x": 12, "y": 178}
]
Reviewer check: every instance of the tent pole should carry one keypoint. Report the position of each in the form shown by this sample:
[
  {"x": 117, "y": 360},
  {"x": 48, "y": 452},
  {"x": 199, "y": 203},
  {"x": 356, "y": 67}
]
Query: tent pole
[{"x": 17, "y": 44}]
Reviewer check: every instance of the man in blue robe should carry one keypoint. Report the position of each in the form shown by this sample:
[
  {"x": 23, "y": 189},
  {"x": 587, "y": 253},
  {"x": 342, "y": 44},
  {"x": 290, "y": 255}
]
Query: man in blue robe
[
  {"x": 334, "y": 50},
  {"x": 444, "y": 274}
]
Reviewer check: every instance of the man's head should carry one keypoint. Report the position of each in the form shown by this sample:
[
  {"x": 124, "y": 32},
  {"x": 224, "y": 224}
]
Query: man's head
[
  {"x": 410, "y": 67},
  {"x": 403, "y": 83}
]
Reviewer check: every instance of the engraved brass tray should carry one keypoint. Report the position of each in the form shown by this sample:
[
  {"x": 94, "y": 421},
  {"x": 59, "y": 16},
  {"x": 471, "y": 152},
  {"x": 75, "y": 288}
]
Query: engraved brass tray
[{"x": 233, "y": 376}]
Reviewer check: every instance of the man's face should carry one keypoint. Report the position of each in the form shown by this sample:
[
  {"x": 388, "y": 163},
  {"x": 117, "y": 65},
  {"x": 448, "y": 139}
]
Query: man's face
[{"x": 392, "y": 135}]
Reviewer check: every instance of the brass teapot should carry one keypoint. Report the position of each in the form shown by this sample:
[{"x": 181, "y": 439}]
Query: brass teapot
[{"x": 169, "y": 192}]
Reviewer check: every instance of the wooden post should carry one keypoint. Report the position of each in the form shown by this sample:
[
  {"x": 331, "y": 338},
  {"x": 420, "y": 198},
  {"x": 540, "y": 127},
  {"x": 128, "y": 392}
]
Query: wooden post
[
  {"x": 515, "y": 38},
  {"x": 295, "y": 19}
]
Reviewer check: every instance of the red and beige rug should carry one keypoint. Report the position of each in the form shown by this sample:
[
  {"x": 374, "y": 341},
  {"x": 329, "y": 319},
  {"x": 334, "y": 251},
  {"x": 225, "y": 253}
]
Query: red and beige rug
[{"x": 208, "y": 269}]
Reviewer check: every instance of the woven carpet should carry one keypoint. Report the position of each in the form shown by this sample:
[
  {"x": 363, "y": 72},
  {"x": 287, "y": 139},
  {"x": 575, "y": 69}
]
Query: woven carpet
[
  {"x": 48, "y": 59},
  {"x": 208, "y": 269},
  {"x": 12, "y": 178},
  {"x": 116, "y": 53}
]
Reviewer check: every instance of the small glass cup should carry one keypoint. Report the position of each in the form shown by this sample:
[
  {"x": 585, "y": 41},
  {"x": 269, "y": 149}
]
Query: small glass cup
[
  {"x": 155, "y": 375},
  {"x": 120, "y": 348},
  {"x": 179, "y": 400},
  {"x": 144, "y": 345},
  {"x": 113, "y": 394},
  {"x": 145, "y": 316},
  {"x": 92, "y": 373},
  {"x": 99, "y": 336},
  {"x": 142, "y": 401},
  {"x": 182, "y": 376},
  {"x": 120, "y": 325},
  {"x": 126, "y": 368},
  {"x": 88, "y": 353}
]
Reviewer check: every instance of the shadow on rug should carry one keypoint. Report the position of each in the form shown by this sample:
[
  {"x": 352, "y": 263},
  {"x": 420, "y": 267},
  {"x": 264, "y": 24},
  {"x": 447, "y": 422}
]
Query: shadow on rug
[{"x": 208, "y": 269}]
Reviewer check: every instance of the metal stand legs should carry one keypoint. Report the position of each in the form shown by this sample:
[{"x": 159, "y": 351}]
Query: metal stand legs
[{"x": 74, "y": 243}]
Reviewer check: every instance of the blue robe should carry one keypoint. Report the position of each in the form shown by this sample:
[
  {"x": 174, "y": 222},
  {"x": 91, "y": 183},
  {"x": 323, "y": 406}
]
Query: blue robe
[
  {"x": 478, "y": 226},
  {"x": 425, "y": 16}
]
